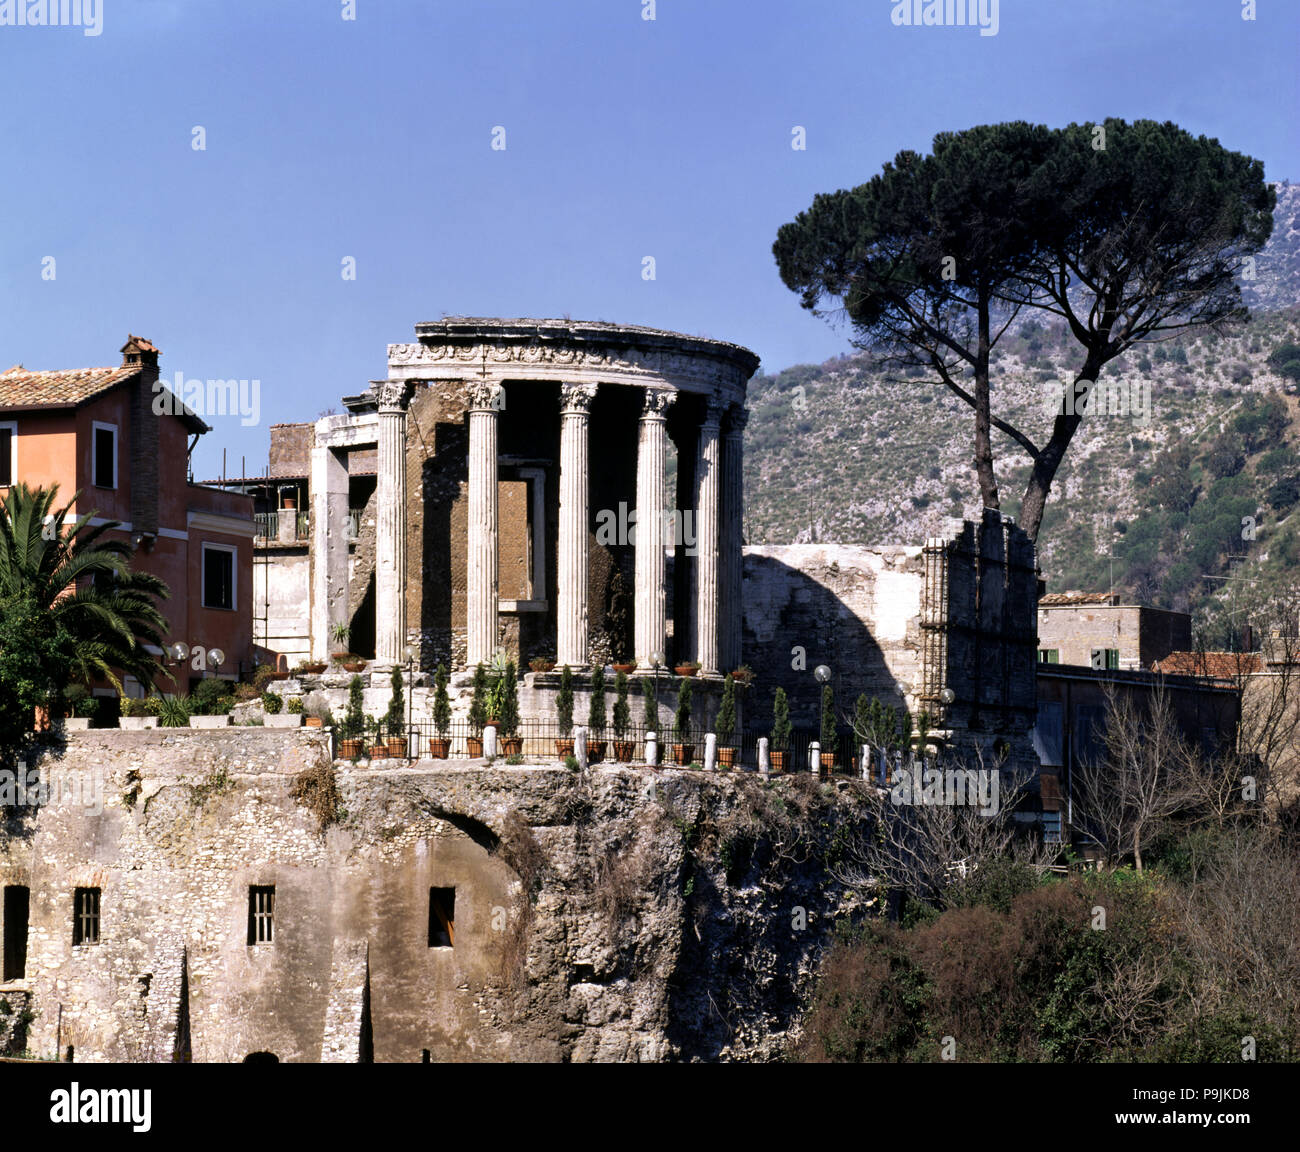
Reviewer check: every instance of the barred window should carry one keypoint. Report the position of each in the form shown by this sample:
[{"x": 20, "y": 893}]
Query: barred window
[
  {"x": 261, "y": 913},
  {"x": 85, "y": 916}
]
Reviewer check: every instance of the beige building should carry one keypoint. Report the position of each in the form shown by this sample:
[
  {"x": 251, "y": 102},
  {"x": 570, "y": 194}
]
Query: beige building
[{"x": 1096, "y": 630}]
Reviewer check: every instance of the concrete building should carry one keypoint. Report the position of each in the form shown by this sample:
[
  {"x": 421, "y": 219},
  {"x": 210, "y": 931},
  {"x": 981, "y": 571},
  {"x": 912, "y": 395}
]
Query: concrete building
[
  {"x": 1096, "y": 630},
  {"x": 121, "y": 439}
]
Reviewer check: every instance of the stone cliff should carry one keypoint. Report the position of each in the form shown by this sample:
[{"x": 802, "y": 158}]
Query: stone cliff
[{"x": 619, "y": 914}]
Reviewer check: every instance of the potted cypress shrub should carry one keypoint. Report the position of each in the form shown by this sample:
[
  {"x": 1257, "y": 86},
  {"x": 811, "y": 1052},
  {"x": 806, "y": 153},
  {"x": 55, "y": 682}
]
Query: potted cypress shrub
[
  {"x": 395, "y": 717},
  {"x": 596, "y": 717},
  {"x": 781, "y": 729},
  {"x": 512, "y": 744},
  {"x": 651, "y": 698},
  {"x": 477, "y": 713},
  {"x": 352, "y": 730},
  {"x": 564, "y": 714},
  {"x": 724, "y": 725},
  {"x": 624, "y": 749},
  {"x": 829, "y": 737},
  {"x": 683, "y": 753},
  {"x": 440, "y": 745},
  {"x": 378, "y": 741}
]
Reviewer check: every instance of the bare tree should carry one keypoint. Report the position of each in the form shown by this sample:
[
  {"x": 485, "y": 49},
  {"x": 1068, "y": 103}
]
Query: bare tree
[
  {"x": 925, "y": 845},
  {"x": 1125, "y": 796}
]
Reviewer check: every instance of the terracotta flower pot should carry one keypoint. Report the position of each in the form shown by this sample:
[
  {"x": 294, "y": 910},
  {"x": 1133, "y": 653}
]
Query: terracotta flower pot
[
  {"x": 828, "y": 763},
  {"x": 355, "y": 666},
  {"x": 624, "y": 751},
  {"x": 726, "y": 756},
  {"x": 379, "y": 752},
  {"x": 313, "y": 721},
  {"x": 564, "y": 748},
  {"x": 683, "y": 754},
  {"x": 595, "y": 751},
  {"x": 474, "y": 746},
  {"x": 439, "y": 747},
  {"x": 626, "y": 669},
  {"x": 778, "y": 760},
  {"x": 351, "y": 749},
  {"x": 397, "y": 747},
  {"x": 512, "y": 745},
  {"x": 685, "y": 670}
]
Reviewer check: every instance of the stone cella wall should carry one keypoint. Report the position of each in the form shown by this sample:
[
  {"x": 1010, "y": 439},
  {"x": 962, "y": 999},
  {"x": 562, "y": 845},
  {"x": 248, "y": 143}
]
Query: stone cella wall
[{"x": 596, "y": 918}]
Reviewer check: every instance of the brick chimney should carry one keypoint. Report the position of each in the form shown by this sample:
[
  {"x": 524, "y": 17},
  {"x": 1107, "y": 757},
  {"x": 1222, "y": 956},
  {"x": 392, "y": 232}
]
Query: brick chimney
[{"x": 140, "y": 354}]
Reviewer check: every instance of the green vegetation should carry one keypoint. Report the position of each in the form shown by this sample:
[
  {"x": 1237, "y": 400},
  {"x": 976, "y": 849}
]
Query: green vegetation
[
  {"x": 441, "y": 702},
  {"x": 781, "y": 726},
  {"x": 724, "y": 724},
  {"x": 596, "y": 711},
  {"x": 478, "y": 701},
  {"x": 622, "y": 713},
  {"x": 564, "y": 703},
  {"x": 72, "y": 610}
]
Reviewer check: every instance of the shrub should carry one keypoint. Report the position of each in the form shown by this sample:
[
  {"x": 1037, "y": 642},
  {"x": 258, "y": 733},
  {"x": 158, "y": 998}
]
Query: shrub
[
  {"x": 441, "y": 703},
  {"x": 725, "y": 723},
  {"x": 682, "y": 717},
  {"x": 596, "y": 710},
  {"x": 781, "y": 726},
  {"x": 564, "y": 703},
  {"x": 263, "y": 676},
  {"x": 828, "y": 718},
  {"x": 294, "y": 706},
  {"x": 152, "y": 705},
  {"x": 174, "y": 712},
  {"x": 478, "y": 701},
  {"x": 622, "y": 713},
  {"x": 354, "y": 720},
  {"x": 272, "y": 703},
  {"x": 509, "y": 714},
  {"x": 211, "y": 697},
  {"x": 395, "y": 717},
  {"x": 651, "y": 700}
]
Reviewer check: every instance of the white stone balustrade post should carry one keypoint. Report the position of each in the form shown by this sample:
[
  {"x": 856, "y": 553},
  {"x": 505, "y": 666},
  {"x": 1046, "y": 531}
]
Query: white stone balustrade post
[
  {"x": 489, "y": 742},
  {"x": 815, "y": 758},
  {"x": 580, "y": 748},
  {"x": 764, "y": 758},
  {"x": 710, "y": 751},
  {"x": 651, "y": 748}
]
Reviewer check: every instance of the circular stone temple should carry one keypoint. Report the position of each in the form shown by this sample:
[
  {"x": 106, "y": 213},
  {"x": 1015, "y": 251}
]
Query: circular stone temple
[{"x": 523, "y": 496}]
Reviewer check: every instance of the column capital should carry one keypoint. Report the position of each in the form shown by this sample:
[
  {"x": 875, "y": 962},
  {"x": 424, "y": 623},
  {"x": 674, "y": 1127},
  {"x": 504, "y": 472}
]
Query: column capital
[
  {"x": 736, "y": 419},
  {"x": 486, "y": 396},
  {"x": 656, "y": 404},
  {"x": 391, "y": 394},
  {"x": 576, "y": 398},
  {"x": 712, "y": 413}
]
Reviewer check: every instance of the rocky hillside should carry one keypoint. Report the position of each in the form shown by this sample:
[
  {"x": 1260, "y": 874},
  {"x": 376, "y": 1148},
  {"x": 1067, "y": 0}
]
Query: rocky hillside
[{"x": 1151, "y": 499}]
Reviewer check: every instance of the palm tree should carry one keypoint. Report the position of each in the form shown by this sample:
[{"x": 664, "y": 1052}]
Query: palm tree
[{"x": 105, "y": 613}]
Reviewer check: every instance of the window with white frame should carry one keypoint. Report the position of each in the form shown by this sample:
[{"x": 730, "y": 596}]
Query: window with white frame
[
  {"x": 219, "y": 576},
  {"x": 103, "y": 455},
  {"x": 8, "y": 453}
]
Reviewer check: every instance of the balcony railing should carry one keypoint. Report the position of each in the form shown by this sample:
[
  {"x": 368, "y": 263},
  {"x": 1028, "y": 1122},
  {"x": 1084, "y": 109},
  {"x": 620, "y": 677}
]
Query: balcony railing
[{"x": 268, "y": 524}]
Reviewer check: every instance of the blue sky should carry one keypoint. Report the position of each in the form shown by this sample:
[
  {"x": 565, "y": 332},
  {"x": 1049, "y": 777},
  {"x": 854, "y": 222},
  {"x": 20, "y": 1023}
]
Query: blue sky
[{"x": 625, "y": 138}]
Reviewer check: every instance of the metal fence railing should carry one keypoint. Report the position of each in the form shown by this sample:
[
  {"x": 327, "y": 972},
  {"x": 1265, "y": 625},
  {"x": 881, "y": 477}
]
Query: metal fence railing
[{"x": 538, "y": 741}]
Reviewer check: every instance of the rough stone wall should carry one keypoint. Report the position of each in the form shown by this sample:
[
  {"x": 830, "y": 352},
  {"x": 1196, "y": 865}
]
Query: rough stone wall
[
  {"x": 856, "y": 609},
  {"x": 291, "y": 446},
  {"x": 624, "y": 915}
]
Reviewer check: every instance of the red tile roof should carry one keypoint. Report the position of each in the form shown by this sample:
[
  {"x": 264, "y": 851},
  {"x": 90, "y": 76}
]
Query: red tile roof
[
  {"x": 1215, "y": 665},
  {"x": 20, "y": 388}
]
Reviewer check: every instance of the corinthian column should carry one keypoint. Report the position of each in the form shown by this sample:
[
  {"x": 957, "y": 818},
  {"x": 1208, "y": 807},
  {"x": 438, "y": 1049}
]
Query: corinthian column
[
  {"x": 732, "y": 543},
  {"x": 651, "y": 457},
  {"x": 390, "y": 529},
  {"x": 481, "y": 598},
  {"x": 575, "y": 407},
  {"x": 707, "y": 507}
]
